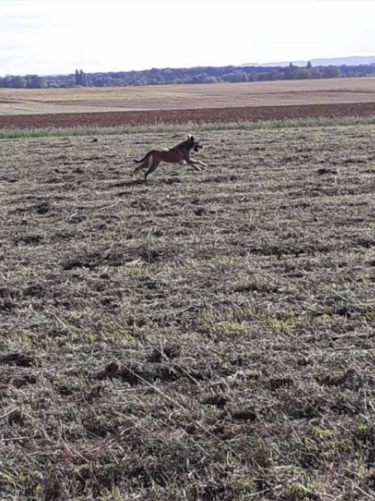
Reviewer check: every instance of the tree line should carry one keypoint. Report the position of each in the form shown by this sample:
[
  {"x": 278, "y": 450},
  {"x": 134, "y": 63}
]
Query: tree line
[{"x": 185, "y": 76}]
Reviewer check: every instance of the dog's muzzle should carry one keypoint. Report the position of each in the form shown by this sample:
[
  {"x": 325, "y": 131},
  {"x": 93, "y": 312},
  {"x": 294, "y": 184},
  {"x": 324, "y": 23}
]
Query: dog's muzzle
[{"x": 197, "y": 147}]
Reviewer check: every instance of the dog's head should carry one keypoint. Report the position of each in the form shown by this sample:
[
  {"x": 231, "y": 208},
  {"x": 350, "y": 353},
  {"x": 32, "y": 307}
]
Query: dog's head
[{"x": 193, "y": 144}]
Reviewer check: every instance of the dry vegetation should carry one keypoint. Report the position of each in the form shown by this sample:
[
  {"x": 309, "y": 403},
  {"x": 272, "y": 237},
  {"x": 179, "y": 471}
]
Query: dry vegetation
[
  {"x": 206, "y": 336},
  {"x": 170, "y": 97}
]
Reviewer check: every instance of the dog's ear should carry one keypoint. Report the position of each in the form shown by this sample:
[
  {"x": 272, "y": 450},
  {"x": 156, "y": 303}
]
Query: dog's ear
[{"x": 190, "y": 137}]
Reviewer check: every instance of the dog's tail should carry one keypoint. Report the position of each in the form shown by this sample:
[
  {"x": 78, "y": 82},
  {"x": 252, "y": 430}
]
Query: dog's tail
[{"x": 144, "y": 158}]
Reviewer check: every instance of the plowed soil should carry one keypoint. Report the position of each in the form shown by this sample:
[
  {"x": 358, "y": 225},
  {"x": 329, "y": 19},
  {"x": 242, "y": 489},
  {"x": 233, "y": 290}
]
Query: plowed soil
[{"x": 149, "y": 117}]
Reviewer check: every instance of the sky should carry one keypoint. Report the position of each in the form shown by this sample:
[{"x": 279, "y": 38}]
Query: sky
[{"x": 56, "y": 37}]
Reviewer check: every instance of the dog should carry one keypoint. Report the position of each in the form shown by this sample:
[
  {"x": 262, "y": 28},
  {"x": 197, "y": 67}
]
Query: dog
[{"x": 178, "y": 154}]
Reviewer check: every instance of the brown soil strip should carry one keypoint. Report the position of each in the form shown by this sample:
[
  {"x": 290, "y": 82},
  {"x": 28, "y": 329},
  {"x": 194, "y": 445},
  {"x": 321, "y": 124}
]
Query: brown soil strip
[{"x": 126, "y": 118}]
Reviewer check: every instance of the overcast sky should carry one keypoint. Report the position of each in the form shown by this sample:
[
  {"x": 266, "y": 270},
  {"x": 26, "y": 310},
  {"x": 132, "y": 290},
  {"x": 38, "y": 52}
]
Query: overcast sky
[{"x": 48, "y": 37}]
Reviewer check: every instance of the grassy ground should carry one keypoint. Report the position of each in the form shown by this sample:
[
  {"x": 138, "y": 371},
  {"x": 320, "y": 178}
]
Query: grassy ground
[
  {"x": 208, "y": 335},
  {"x": 41, "y": 132}
]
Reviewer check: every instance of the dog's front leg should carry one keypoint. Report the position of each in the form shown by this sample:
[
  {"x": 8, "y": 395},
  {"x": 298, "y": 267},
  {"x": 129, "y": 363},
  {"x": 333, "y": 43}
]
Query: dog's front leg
[{"x": 194, "y": 164}]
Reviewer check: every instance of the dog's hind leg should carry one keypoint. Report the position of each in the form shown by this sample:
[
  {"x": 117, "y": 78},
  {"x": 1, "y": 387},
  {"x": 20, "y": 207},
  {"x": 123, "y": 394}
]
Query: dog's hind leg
[
  {"x": 145, "y": 165},
  {"x": 137, "y": 169},
  {"x": 153, "y": 167}
]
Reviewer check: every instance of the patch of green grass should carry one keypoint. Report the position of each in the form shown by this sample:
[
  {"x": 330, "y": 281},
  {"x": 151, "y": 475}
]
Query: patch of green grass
[{"x": 13, "y": 133}]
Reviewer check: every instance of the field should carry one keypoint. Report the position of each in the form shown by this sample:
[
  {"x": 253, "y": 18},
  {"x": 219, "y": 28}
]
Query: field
[
  {"x": 205, "y": 336},
  {"x": 187, "y": 103}
]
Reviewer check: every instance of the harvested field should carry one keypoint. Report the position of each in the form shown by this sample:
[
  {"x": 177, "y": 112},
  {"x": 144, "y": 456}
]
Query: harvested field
[
  {"x": 183, "y": 103},
  {"x": 171, "y": 97},
  {"x": 206, "y": 336}
]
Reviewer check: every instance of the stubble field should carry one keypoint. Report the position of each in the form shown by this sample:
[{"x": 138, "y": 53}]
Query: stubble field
[
  {"x": 198, "y": 96},
  {"x": 207, "y": 335}
]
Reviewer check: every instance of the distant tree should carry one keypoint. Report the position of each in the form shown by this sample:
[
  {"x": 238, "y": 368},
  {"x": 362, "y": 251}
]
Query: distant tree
[
  {"x": 151, "y": 81},
  {"x": 114, "y": 82},
  {"x": 98, "y": 81},
  {"x": 187, "y": 75},
  {"x": 17, "y": 82},
  {"x": 200, "y": 78},
  {"x": 6, "y": 81},
  {"x": 270, "y": 76},
  {"x": 236, "y": 76},
  {"x": 35, "y": 82},
  {"x": 82, "y": 78},
  {"x": 314, "y": 73},
  {"x": 291, "y": 72},
  {"x": 211, "y": 80},
  {"x": 331, "y": 72}
]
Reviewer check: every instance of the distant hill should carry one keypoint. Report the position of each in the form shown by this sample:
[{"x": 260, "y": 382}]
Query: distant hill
[{"x": 336, "y": 61}]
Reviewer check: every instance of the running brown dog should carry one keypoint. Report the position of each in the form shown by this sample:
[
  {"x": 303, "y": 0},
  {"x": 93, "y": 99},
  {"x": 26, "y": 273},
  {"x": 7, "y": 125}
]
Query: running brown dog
[{"x": 178, "y": 154}]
